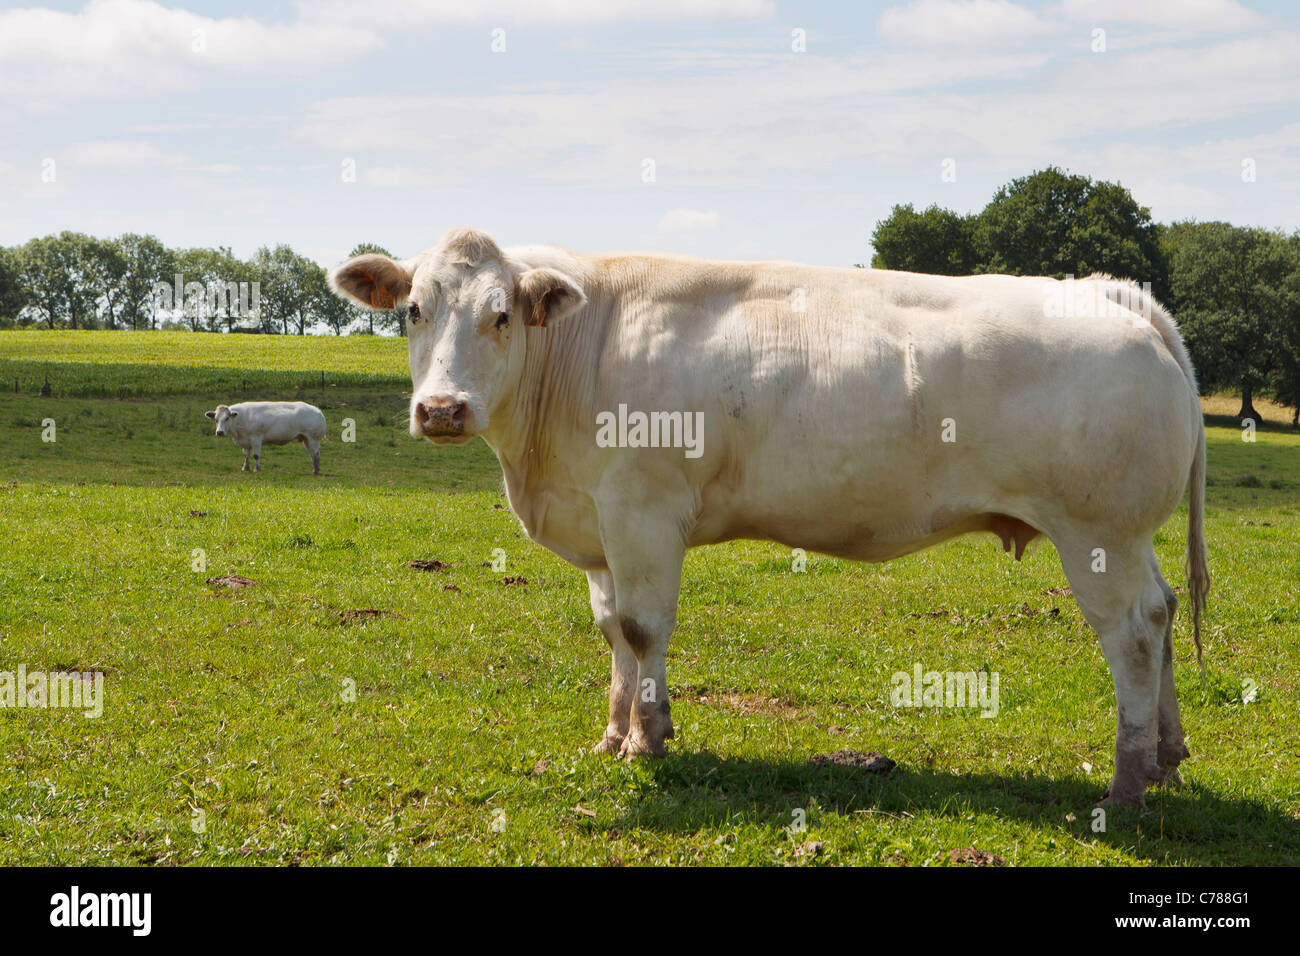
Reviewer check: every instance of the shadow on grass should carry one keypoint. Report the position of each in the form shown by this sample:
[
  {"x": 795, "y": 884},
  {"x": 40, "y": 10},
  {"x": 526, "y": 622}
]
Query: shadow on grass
[
  {"x": 1188, "y": 826},
  {"x": 1261, "y": 425}
]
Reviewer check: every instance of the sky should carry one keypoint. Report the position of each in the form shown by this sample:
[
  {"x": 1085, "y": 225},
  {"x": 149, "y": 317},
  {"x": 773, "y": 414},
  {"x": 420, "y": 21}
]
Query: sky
[{"x": 735, "y": 129}]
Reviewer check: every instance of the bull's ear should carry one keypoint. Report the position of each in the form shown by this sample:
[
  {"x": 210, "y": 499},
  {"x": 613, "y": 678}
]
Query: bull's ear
[
  {"x": 374, "y": 280},
  {"x": 209, "y": 414},
  {"x": 547, "y": 295},
  {"x": 234, "y": 414}
]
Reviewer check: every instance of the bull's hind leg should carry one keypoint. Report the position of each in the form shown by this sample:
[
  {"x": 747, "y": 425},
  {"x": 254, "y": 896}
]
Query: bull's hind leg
[
  {"x": 313, "y": 448},
  {"x": 1171, "y": 748},
  {"x": 623, "y": 667},
  {"x": 1120, "y": 592}
]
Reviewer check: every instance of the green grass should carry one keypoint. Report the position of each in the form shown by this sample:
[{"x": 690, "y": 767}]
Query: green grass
[
  {"x": 474, "y": 708},
  {"x": 125, "y": 364}
]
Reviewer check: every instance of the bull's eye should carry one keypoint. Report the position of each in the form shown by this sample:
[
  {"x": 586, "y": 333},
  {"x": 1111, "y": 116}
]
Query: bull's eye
[
  {"x": 413, "y": 311},
  {"x": 503, "y": 320}
]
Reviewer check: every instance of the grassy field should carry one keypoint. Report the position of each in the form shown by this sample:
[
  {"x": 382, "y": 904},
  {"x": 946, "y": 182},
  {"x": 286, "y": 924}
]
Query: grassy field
[
  {"x": 231, "y": 733},
  {"x": 127, "y": 364}
]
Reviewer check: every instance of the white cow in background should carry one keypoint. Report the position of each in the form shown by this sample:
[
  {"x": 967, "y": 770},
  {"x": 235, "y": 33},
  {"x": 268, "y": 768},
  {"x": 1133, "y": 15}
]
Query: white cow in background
[
  {"x": 857, "y": 412},
  {"x": 251, "y": 425}
]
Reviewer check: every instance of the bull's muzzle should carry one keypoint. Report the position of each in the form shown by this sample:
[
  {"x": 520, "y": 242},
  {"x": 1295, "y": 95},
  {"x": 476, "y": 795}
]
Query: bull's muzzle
[{"x": 440, "y": 417}]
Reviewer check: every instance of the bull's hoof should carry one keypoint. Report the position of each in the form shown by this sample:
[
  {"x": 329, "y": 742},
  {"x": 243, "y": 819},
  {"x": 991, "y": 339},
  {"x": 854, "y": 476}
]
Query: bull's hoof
[
  {"x": 636, "y": 744},
  {"x": 609, "y": 744},
  {"x": 1169, "y": 754},
  {"x": 1126, "y": 797},
  {"x": 1170, "y": 777}
]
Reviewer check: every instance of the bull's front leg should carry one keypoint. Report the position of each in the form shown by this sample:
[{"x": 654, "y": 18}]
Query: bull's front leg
[
  {"x": 645, "y": 552},
  {"x": 623, "y": 667},
  {"x": 245, "y": 468}
]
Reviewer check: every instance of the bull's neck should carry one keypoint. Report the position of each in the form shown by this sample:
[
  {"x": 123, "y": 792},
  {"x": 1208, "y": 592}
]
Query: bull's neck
[{"x": 550, "y": 405}]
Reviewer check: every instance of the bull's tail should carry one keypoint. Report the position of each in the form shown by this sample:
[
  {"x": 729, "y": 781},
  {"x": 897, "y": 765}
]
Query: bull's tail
[
  {"x": 1137, "y": 299},
  {"x": 1198, "y": 569}
]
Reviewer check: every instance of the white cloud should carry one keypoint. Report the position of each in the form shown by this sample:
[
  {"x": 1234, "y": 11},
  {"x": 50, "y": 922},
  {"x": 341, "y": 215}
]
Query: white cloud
[
  {"x": 125, "y": 48},
  {"x": 796, "y": 114},
  {"x": 1177, "y": 15},
  {"x": 688, "y": 220},
  {"x": 216, "y": 169},
  {"x": 974, "y": 23},
  {"x": 405, "y": 176},
  {"x": 416, "y": 13},
  {"x": 108, "y": 153}
]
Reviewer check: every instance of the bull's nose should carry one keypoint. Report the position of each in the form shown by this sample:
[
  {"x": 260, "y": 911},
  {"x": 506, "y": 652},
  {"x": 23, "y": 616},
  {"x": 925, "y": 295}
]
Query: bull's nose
[
  {"x": 440, "y": 417},
  {"x": 220, "y": 433}
]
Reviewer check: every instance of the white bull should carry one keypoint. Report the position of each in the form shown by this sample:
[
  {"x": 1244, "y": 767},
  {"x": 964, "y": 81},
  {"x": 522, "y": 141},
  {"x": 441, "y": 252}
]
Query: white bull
[
  {"x": 251, "y": 425},
  {"x": 856, "y": 412}
]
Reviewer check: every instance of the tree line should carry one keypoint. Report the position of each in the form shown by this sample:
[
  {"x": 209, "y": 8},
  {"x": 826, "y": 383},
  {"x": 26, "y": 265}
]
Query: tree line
[
  {"x": 1234, "y": 290},
  {"x": 75, "y": 281}
]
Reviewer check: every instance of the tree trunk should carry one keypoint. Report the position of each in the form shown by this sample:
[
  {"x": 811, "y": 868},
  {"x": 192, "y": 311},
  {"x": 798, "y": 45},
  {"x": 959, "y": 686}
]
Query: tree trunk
[{"x": 1248, "y": 407}]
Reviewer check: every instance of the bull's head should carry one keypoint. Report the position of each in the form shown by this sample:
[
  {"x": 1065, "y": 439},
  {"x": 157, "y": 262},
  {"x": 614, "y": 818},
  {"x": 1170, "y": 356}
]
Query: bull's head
[
  {"x": 467, "y": 306},
  {"x": 222, "y": 416}
]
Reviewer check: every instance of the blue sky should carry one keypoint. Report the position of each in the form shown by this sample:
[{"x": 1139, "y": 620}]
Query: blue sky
[{"x": 235, "y": 123}]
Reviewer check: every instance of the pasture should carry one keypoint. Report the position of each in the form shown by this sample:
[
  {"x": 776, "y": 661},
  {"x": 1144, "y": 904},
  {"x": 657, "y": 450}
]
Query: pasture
[{"x": 346, "y": 708}]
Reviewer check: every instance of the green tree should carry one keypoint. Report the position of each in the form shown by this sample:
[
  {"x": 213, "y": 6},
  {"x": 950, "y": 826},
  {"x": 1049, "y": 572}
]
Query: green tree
[
  {"x": 106, "y": 268},
  {"x": 1231, "y": 294},
  {"x": 325, "y": 306},
  {"x": 58, "y": 279},
  {"x": 1285, "y": 383},
  {"x": 288, "y": 286},
  {"x": 226, "y": 288},
  {"x": 938, "y": 241},
  {"x": 12, "y": 301},
  {"x": 1053, "y": 223},
  {"x": 148, "y": 262}
]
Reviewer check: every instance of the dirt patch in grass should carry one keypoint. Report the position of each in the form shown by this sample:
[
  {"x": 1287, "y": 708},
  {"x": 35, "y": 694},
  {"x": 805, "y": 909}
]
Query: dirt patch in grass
[
  {"x": 970, "y": 856},
  {"x": 366, "y": 614},
  {"x": 869, "y": 762},
  {"x": 428, "y": 565},
  {"x": 230, "y": 581},
  {"x": 746, "y": 704}
]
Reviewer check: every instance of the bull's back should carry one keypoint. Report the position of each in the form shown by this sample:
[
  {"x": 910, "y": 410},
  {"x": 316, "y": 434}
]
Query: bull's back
[
  {"x": 886, "y": 418},
  {"x": 282, "y": 422}
]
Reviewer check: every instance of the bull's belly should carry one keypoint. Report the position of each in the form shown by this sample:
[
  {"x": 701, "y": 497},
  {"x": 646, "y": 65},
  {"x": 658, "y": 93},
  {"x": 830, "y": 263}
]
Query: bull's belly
[
  {"x": 868, "y": 537},
  {"x": 278, "y": 437}
]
